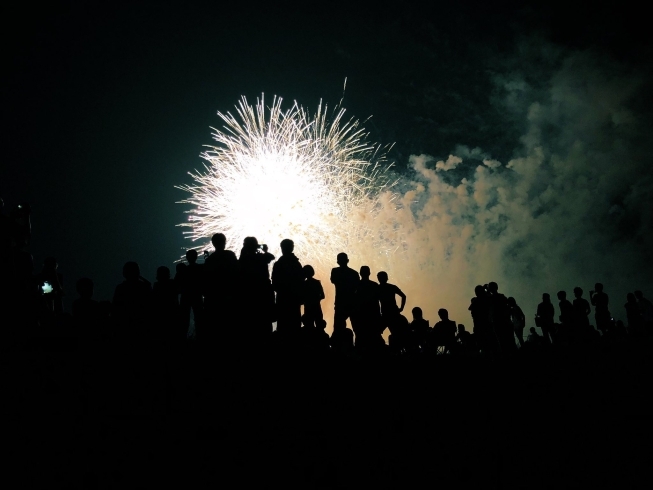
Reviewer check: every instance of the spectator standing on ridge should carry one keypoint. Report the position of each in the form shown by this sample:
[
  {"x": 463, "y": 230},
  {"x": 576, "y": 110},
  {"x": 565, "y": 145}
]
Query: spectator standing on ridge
[
  {"x": 257, "y": 296},
  {"x": 484, "y": 333},
  {"x": 191, "y": 285},
  {"x": 391, "y": 317},
  {"x": 544, "y": 318},
  {"x": 518, "y": 320},
  {"x": 500, "y": 314},
  {"x": 221, "y": 289},
  {"x": 600, "y": 301},
  {"x": 312, "y": 295},
  {"x": 345, "y": 279},
  {"x": 366, "y": 318},
  {"x": 444, "y": 331},
  {"x": 581, "y": 314},
  {"x": 419, "y": 328},
  {"x": 287, "y": 282}
]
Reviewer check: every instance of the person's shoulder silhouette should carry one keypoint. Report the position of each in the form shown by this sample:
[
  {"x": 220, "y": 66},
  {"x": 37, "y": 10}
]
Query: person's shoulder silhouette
[{"x": 345, "y": 279}]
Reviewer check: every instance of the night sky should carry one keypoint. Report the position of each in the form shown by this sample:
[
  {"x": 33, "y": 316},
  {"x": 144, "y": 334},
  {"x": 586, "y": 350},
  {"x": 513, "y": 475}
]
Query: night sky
[{"x": 106, "y": 110}]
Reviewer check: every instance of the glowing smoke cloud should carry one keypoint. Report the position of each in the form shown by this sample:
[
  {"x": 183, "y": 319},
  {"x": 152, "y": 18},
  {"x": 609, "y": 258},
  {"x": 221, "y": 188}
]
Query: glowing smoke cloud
[{"x": 279, "y": 174}]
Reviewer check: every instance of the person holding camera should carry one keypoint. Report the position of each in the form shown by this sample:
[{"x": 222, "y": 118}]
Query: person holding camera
[{"x": 256, "y": 293}]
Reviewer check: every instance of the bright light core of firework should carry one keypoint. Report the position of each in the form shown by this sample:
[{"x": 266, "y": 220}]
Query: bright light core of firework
[{"x": 278, "y": 174}]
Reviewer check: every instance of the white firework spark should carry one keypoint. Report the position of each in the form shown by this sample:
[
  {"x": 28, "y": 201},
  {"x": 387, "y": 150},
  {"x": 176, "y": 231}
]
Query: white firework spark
[{"x": 278, "y": 174}]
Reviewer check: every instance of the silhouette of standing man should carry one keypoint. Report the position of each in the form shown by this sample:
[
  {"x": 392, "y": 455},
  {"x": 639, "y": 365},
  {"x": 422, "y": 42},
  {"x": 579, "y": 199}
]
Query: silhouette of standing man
[
  {"x": 191, "y": 295},
  {"x": 346, "y": 280},
  {"x": 367, "y": 315},
  {"x": 220, "y": 288},
  {"x": 544, "y": 317},
  {"x": 599, "y": 300},
  {"x": 390, "y": 313},
  {"x": 287, "y": 282}
]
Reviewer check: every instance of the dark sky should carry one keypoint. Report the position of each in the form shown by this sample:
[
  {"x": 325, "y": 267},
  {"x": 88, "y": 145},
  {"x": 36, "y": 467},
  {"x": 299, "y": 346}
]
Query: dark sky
[{"x": 105, "y": 110}]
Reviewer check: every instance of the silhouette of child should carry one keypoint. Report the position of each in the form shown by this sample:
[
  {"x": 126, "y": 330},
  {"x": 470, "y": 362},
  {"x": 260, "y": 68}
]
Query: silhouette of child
[{"x": 312, "y": 293}]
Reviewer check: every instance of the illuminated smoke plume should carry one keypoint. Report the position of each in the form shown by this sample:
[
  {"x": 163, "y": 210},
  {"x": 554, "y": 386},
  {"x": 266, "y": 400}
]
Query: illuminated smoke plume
[{"x": 571, "y": 207}]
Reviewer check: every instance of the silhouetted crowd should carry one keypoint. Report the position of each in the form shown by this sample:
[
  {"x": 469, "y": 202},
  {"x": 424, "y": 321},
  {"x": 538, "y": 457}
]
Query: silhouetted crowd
[{"x": 234, "y": 302}]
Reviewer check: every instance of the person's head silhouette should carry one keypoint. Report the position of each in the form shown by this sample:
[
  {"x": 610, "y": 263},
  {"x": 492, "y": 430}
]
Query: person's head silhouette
[
  {"x": 219, "y": 241},
  {"x": 562, "y": 295},
  {"x": 532, "y": 330},
  {"x": 85, "y": 288},
  {"x": 342, "y": 259},
  {"x": 308, "y": 271},
  {"x": 417, "y": 313},
  {"x": 598, "y": 287},
  {"x": 287, "y": 246},
  {"x": 191, "y": 256},
  {"x": 365, "y": 272},
  {"x": 162, "y": 273},
  {"x": 493, "y": 287},
  {"x": 443, "y": 314},
  {"x": 639, "y": 294},
  {"x": 479, "y": 291},
  {"x": 631, "y": 298},
  {"x": 546, "y": 297},
  {"x": 382, "y": 277},
  {"x": 250, "y": 244},
  {"x": 578, "y": 292},
  {"x": 131, "y": 271}
]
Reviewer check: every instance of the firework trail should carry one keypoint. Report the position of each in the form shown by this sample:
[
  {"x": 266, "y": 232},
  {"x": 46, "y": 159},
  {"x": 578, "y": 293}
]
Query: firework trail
[{"x": 278, "y": 174}]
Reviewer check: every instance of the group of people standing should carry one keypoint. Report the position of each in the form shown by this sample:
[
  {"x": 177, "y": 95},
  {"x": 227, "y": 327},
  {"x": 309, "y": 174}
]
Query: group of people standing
[{"x": 239, "y": 299}]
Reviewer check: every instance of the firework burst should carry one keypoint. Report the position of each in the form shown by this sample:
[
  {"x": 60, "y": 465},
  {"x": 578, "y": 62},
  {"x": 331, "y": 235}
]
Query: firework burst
[{"x": 278, "y": 174}]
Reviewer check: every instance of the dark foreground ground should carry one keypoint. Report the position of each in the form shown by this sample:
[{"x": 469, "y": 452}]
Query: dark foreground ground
[{"x": 96, "y": 415}]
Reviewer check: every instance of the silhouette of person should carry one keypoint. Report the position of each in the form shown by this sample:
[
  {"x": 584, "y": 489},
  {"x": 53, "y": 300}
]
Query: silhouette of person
[
  {"x": 390, "y": 312},
  {"x": 257, "y": 301},
  {"x": 221, "y": 288},
  {"x": 518, "y": 320},
  {"x": 345, "y": 279},
  {"x": 312, "y": 294},
  {"x": 581, "y": 313},
  {"x": 366, "y": 318},
  {"x": 50, "y": 283},
  {"x": 600, "y": 300},
  {"x": 419, "y": 328},
  {"x": 466, "y": 340},
  {"x": 500, "y": 314},
  {"x": 444, "y": 331},
  {"x": 533, "y": 337},
  {"x": 132, "y": 302},
  {"x": 634, "y": 315},
  {"x": 544, "y": 318},
  {"x": 566, "y": 317},
  {"x": 165, "y": 299},
  {"x": 287, "y": 282},
  {"x": 484, "y": 333},
  {"x": 191, "y": 283},
  {"x": 646, "y": 310}
]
